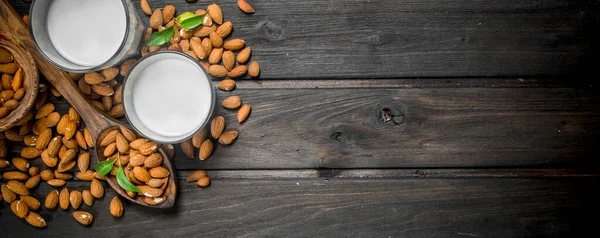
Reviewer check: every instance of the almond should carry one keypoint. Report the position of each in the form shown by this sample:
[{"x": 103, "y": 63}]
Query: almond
[
  {"x": 65, "y": 166},
  {"x": 244, "y": 55},
  {"x": 15, "y": 175},
  {"x": 188, "y": 149},
  {"x": 215, "y": 13},
  {"x": 80, "y": 139},
  {"x": 137, "y": 159},
  {"x": 17, "y": 187},
  {"x": 44, "y": 110},
  {"x": 207, "y": 45},
  {"x": 122, "y": 143},
  {"x": 47, "y": 175},
  {"x": 116, "y": 207},
  {"x": 156, "y": 19},
  {"x": 97, "y": 189},
  {"x": 110, "y": 137},
  {"x": 232, "y": 102},
  {"x": 110, "y": 73},
  {"x": 204, "y": 31},
  {"x": 154, "y": 201},
  {"x": 88, "y": 199},
  {"x": 33, "y": 171},
  {"x": 148, "y": 148},
  {"x": 21, "y": 164},
  {"x": 136, "y": 144},
  {"x": 225, "y": 29},
  {"x": 218, "y": 71},
  {"x": 126, "y": 66},
  {"x": 97, "y": 176},
  {"x": 52, "y": 119},
  {"x": 199, "y": 138},
  {"x": 146, "y": 7},
  {"x": 35, "y": 220},
  {"x": 215, "y": 40},
  {"x": 63, "y": 199},
  {"x": 4, "y": 163},
  {"x": 217, "y": 126},
  {"x": 19, "y": 208},
  {"x": 107, "y": 102},
  {"x": 93, "y": 78},
  {"x": 206, "y": 149},
  {"x": 215, "y": 56},
  {"x": 254, "y": 69},
  {"x": 234, "y": 44},
  {"x": 191, "y": 54},
  {"x": 56, "y": 182},
  {"x": 149, "y": 191},
  {"x": 207, "y": 21},
  {"x": 62, "y": 123},
  {"x": 110, "y": 149},
  {"x": 184, "y": 45},
  {"x": 244, "y": 112},
  {"x": 30, "y": 140},
  {"x": 89, "y": 140},
  {"x": 31, "y": 202},
  {"x": 168, "y": 13},
  {"x": 195, "y": 175},
  {"x": 30, "y": 152},
  {"x": 141, "y": 174},
  {"x": 226, "y": 84},
  {"x": 84, "y": 87},
  {"x": 33, "y": 181},
  {"x": 88, "y": 175},
  {"x": 12, "y": 135},
  {"x": 203, "y": 182},
  {"x": 153, "y": 160},
  {"x": 196, "y": 46},
  {"x": 238, "y": 71},
  {"x": 103, "y": 89},
  {"x": 84, "y": 218},
  {"x": 7, "y": 194},
  {"x": 155, "y": 183},
  {"x": 245, "y": 7},
  {"x": 75, "y": 199},
  {"x": 128, "y": 134},
  {"x": 48, "y": 160},
  {"x": 227, "y": 137},
  {"x": 158, "y": 172},
  {"x": 62, "y": 176},
  {"x": 228, "y": 60},
  {"x": 68, "y": 156},
  {"x": 54, "y": 146},
  {"x": 70, "y": 143},
  {"x": 83, "y": 161}
]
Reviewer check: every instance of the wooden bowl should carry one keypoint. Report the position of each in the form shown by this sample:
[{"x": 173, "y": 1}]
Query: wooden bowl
[{"x": 30, "y": 80}]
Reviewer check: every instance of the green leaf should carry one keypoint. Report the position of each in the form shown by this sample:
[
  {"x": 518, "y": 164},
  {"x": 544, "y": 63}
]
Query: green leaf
[
  {"x": 161, "y": 38},
  {"x": 124, "y": 182},
  {"x": 184, "y": 16},
  {"x": 192, "y": 22},
  {"x": 104, "y": 167}
]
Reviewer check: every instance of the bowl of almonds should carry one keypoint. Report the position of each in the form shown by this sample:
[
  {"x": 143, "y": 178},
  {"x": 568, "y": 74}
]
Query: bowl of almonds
[{"x": 19, "y": 82}]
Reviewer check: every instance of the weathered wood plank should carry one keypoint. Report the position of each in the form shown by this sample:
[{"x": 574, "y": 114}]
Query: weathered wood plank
[
  {"x": 342, "y": 207},
  {"x": 442, "y": 127},
  {"x": 412, "y": 38}
]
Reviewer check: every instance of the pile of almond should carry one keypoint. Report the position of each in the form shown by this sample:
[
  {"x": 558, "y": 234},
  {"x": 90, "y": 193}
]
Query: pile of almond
[
  {"x": 12, "y": 88},
  {"x": 142, "y": 163}
]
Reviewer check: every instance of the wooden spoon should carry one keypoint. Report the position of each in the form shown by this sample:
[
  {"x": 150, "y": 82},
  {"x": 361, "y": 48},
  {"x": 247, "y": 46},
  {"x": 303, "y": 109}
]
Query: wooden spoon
[{"x": 95, "y": 121}]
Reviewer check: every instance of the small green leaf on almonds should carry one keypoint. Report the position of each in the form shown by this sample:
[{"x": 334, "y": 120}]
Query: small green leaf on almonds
[
  {"x": 184, "y": 16},
  {"x": 104, "y": 167},
  {"x": 124, "y": 182},
  {"x": 161, "y": 38},
  {"x": 192, "y": 22}
]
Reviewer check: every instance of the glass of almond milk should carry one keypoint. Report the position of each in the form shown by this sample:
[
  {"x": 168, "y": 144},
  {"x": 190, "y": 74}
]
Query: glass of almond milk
[
  {"x": 85, "y": 35},
  {"x": 168, "y": 97}
]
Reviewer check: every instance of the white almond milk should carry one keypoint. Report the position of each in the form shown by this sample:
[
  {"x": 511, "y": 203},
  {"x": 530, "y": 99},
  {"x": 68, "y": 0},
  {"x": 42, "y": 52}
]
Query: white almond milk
[
  {"x": 86, "y": 32},
  {"x": 172, "y": 97}
]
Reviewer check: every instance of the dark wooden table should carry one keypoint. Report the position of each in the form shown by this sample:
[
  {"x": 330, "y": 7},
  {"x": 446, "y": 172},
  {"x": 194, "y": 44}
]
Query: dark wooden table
[{"x": 412, "y": 118}]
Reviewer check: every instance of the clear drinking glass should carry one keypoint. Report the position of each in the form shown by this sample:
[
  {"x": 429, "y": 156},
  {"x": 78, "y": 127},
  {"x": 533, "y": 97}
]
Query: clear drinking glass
[{"x": 129, "y": 46}]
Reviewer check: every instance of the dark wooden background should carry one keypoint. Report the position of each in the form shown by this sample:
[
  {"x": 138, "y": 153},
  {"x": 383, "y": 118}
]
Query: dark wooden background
[{"x": 495, "y": 130}]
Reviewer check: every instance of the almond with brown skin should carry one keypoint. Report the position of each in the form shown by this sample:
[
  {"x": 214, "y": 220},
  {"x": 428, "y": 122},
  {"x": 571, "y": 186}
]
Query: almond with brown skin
[
  {"x": 122, "y": 143},
  {"x": 215, "y": 56},
  {"x": 19, "y": 208},
  {"x": 217, "y": 125},
  {"x": 215, "y": 13},
  {"x": 103, "y": 89},
  {"x": 88, "y": 199},
  {"x": 47, "y": 175},
  {"x": 195, "y": 175},
  {"x": 244, "y": 112},
  {"x": 234, "y": 44},
  {"x": 184, "y": 45},
  {"x": 228, "y": 60},
  {"x": 48, "y": 160},
  {"x": 228, "y": 137},
  {"x": 89, "y": 140},
  {"x": 196, "y": 46},
  {"x": 153, "y": 160},
  {"x": 141, "y": 174},
  {"x": 191, "y": 54},
  {"x": 136, "y": 144},
  {"x": 35, "y": 220},
  {"x": 199, "y": 137},
  {"x": 21, "y": 164},
  {"x": 156, "y": 19},
  {"x": 232, "y": 102},
  {"x": 33, "y": 181},
  {"x": 30, "y": 140},
  {"x": 93, "y": 78},
  {"x": 84, "y": 87},
  {"x": 30, "y": 152},
  {"x": 7, "y": 194},
  {"x": 31, "y": 202},
  {"x": 226, "y": 84},
  {"x": 158, "y": 172},
  {"x": 44, "y": 111},
  {"x": 154, "y": 201},
  {"x": 17, "y": 187},
  {"x": 110, "y": 73},
  {"x": 204, "y": 31},
  {"x": 62, "y": 123},
  {"x": 215, "y": 40},
  {"x": 206, "y": 149},
  {"x": 254, "y": 69},
  {"x": 56, "y": 182},
  {"x": 238, "y": 71},
  {"x": 188, "y": 149},
  {"x": 33, "y": 171},
  {"x": 128, "y": 134},
  {"x": 68, "y": 156},
  {"x": 218, "y": 71},
  {"x": 62, "y": 176},
  {"x": 88, "y": 175},
  {"x": 80, "y": 139},
  {"x": 149, "y": 191},
  {"x": 116, "y": 207},
  {"x": 168, "y": 13},
  {"x": 70, "y": 143},
  {"x": 97, "y": 189},
  {"x": 155, "y": 183},
  {"x": 15, "y": 175},
  {"x": 137, "y": 159},
  {"x": 110, "y": 149},
  {"x": 146, "y": 7},
  {"x": 109, "y": 138},
  {"x": 75, "y": 198},
  {"x": 148, "y": 148},
  {"x": 63, "y": 199},
  {"x": 126, "y": 66},
  {"x": 54, "y": 146},
  {"x": 207, "y": 21},
  {"x": 244, "y": 55},
  {"x": 225, "y": 29},
  {"x": 83, "y": 161},
  {"x": 207, "y": 45},
  {"x": 203, "y": 182},
  {"x": 245, "y": 7},
  {"x": 107, "y": 102},
  {"x": 4, "y": 163},
  {"x": 84, "y": 218}
]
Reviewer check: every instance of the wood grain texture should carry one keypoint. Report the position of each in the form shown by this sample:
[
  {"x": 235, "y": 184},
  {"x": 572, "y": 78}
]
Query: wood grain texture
[
  {"x": 412, "y": 38},
  {"x": 342, "y": 207}
]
